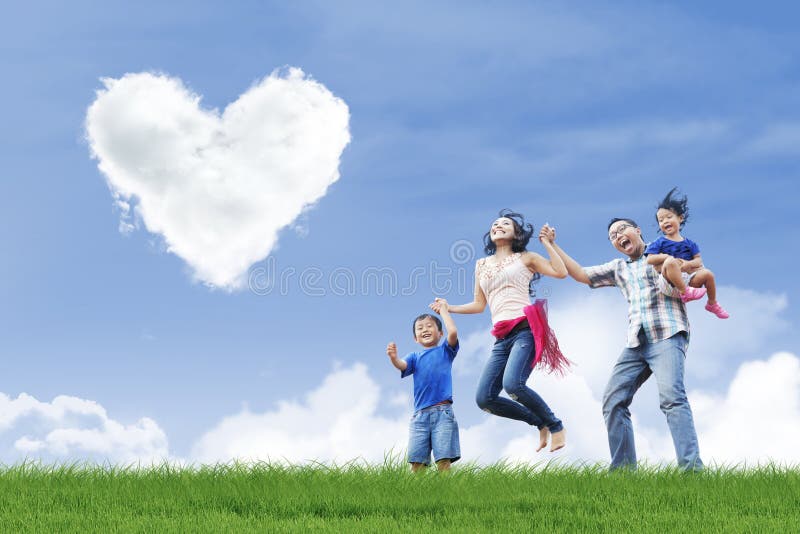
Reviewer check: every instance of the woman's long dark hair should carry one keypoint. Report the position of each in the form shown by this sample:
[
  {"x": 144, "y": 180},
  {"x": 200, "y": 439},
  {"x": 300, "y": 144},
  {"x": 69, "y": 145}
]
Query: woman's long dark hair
[{"x": 522, "y": 236}]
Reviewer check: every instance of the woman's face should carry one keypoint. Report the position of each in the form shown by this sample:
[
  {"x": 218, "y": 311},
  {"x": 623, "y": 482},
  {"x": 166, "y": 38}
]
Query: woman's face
[{"x": 502, "y": 229}]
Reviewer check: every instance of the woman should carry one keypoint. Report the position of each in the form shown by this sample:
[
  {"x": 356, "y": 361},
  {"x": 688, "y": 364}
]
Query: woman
[{"x": 503, "y": 280}]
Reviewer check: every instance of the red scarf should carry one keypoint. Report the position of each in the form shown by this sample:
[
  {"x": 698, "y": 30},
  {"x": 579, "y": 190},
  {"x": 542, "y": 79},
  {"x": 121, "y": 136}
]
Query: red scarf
[{"x": 548, "y": 355}]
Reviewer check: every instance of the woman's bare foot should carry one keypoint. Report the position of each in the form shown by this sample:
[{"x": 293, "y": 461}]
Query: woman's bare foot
[
  {"x": 544, "y": 433},
  {"x": 559, "y": 440}
]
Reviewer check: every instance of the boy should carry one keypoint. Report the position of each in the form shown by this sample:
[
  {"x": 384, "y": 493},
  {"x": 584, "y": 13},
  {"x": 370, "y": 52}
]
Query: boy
[{"x": 433, "y": 425}]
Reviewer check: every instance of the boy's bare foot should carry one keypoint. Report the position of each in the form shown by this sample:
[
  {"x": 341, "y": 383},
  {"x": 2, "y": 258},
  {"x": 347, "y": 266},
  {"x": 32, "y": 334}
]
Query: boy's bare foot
[
  {"x": 559, "y": 440},
  {"x": 443, "y": 465},
  {"x": 544, "y": 433}
]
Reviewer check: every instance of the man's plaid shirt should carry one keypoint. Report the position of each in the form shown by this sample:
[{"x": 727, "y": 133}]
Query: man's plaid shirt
[{"x": 659, "y": 315}]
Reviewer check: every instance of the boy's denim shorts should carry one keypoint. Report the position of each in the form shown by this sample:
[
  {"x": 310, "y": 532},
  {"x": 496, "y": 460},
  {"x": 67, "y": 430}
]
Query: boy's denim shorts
[{"x": 433, "y": 429}]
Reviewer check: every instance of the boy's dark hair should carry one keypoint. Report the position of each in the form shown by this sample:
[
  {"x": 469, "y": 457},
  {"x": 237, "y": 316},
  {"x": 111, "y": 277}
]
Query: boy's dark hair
[
  {"x": 522, "y": 233},
  {"x": 617, "y": 219},
  {"x": 425, "y": 316},
  {"x": 676, "y": 204}
]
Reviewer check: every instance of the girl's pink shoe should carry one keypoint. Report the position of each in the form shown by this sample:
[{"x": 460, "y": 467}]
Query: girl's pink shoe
[
  {"x": 692, "y": 293},
  {"x": 717, "y": 310}
]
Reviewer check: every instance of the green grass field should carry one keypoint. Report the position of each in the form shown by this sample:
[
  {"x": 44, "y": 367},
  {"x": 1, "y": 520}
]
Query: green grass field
[{"x": 387, "y": 498}]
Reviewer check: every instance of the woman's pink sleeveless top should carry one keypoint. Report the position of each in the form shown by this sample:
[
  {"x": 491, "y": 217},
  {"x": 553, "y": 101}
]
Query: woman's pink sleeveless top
[{"x": 505, "y": 285}]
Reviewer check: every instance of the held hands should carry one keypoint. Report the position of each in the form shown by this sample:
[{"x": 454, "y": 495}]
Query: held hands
[
  {"x": 439, "y": 305},
  {"x": 547, "y": 234}
]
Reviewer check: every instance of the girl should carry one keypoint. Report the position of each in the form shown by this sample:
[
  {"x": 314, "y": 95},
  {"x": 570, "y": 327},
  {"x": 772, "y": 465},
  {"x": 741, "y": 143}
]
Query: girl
[
  {"x": 503, "y": 279},
  {"x": 678, "y": 259}
]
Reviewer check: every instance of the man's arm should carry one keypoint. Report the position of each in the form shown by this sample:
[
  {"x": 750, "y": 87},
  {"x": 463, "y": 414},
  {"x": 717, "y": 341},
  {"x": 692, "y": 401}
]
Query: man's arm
[
  {"x": 574, "y": 268},
  {"x": 391, "y": 351}
]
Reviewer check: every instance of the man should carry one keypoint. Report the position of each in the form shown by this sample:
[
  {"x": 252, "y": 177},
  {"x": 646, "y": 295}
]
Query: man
[{"x": 658, "y": 335}]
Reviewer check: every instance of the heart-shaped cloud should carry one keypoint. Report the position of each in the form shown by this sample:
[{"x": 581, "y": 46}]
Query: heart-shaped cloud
[{"x": 217, "y": 187}]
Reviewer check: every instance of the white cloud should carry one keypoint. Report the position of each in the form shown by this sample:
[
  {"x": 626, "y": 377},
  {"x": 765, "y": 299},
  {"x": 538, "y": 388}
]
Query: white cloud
[
  {"x": 716, "y": 344},
  {"x": 571, "y": 400},
  {"x": 592, "y": 327},
  {"x": 755, "y": 421},
  {"x": 473, "y": 351},
  {"x": 591, "y": 332},
  {"x": 758, "y": 419},
  {"x": 335, "y": 422},
  {"x": 217, "y": 186},
  {"x": 70, "y": 428},
  {"x": 338, "y": 422},
  {"x": 754, "y": 418}
]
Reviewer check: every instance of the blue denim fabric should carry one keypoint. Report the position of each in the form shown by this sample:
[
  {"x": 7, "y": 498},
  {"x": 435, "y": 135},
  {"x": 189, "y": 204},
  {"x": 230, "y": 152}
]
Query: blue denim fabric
[
  {"x": 665, "y": 360},
  {"x": 508, "y": 368},
  {"x": 433, "y": 429}
]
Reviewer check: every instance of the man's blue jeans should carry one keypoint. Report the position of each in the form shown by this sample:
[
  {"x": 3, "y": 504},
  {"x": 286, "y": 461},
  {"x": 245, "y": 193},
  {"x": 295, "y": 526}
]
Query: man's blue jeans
[
  {"x": 508, "y": 368},
  {"x": 665, "y": 360}
]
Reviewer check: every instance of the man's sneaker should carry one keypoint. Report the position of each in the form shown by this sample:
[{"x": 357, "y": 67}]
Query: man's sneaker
[
  {"x": 717, "y": 310},
  {"x": 693, "y": 293}
]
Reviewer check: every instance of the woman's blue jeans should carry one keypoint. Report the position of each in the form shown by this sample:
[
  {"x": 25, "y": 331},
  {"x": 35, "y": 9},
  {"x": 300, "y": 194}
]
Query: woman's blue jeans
[{"x": 508, "y": 369}]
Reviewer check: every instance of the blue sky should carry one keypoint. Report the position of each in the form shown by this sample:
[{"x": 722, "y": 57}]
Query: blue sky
[{"x": 569, "y": 114}]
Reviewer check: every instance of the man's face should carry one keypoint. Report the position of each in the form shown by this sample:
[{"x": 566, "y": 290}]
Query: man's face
[{"x": 626, "y": 238}]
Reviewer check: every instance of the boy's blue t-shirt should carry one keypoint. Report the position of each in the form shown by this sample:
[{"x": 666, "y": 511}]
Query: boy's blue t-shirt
[
  {"x": 433, "y": 381},
  {"x": 685, "y": 250}
]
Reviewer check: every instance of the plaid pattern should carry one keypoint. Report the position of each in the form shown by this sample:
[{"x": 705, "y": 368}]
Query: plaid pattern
[{"x": 649, "y": 309}]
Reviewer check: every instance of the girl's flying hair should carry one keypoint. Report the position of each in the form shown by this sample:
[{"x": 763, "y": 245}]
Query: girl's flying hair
[{"x": 676, "y": 204}]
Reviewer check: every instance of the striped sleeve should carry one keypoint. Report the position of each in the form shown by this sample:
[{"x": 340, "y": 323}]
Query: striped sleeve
[{"x": 603, "y": 275}]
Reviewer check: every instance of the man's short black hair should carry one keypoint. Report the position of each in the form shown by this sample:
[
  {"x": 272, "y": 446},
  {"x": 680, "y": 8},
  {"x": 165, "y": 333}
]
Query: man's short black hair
[{"x": 617, "y": 219}]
